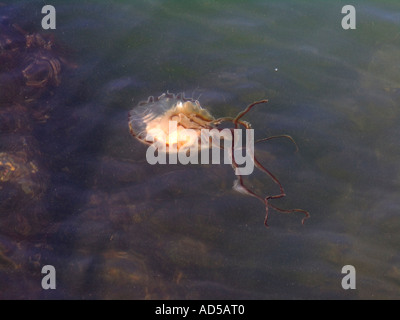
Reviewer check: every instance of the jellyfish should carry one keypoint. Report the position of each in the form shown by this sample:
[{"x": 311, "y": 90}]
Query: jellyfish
[{"x": 150, "y": 122}]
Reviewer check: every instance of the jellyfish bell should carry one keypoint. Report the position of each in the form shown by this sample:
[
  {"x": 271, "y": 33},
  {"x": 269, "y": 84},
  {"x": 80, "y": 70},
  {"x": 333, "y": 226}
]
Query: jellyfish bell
[{"x": 165, "y": 120}]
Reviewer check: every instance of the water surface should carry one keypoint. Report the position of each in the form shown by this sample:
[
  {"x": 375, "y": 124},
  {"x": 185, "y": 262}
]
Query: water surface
[{"x": 121, "y": 228}]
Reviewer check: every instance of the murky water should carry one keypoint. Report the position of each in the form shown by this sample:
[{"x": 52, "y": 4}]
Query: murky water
[{"x": 120, "y": 228}]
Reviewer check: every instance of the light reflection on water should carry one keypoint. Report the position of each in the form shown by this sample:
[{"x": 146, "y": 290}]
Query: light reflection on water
[{"x": 125, "y": 229}]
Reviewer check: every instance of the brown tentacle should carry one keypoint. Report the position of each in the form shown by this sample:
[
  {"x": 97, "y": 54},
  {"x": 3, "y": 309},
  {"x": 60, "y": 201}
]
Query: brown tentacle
[
  {"x": 230, "y": 119},
  {"x": 280, "y": 136},
  {"x": 236, "y": 121},
  {"x": 306, "y": 213},
  {"x": 251, "y": 193},
  {"x": 248, "y": 108}
]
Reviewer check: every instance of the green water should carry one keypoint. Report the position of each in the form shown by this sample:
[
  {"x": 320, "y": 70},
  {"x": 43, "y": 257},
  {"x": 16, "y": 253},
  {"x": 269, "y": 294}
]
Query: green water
[{"x": 126, "y": 229}]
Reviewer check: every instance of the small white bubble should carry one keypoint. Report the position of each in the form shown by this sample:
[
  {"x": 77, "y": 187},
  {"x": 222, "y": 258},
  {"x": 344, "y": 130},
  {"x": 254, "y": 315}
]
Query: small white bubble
[{"x": 276, "y": 69}]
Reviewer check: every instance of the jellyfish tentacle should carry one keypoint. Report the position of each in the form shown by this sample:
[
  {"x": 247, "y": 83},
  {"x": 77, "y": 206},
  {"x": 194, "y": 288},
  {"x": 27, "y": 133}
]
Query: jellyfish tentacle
[
  {"x": 243, "y": 187},
  {"x": 275, "y": 179},
  {"x": 239, "y": 183},
  {"x": 280, "y": 136},
  {"x": 218, "y": 121},
  {"x": 246, "y": 190},
  {"x": 245, "y": 111},
  {"x": 278, "y": 196},
  {"x": 305, "y": 212},
  {"x": 282, "y": 193},
  {"x": 266, "y": 214}
]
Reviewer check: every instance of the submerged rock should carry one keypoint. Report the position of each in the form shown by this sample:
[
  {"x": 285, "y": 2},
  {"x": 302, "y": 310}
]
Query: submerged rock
[{"x": 31, "y": 65}]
